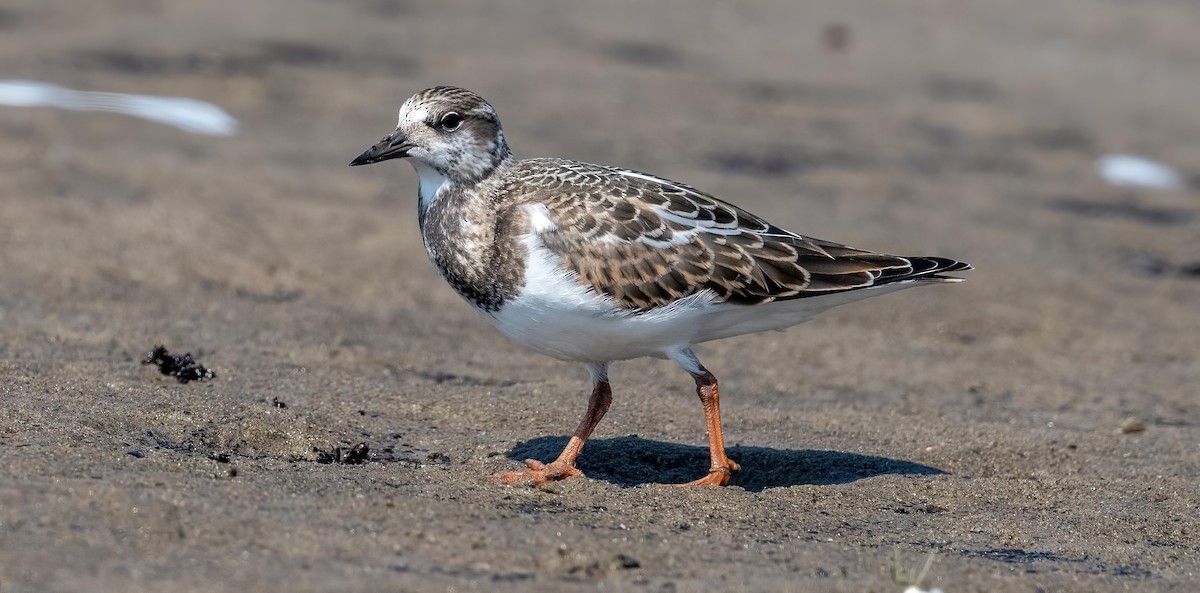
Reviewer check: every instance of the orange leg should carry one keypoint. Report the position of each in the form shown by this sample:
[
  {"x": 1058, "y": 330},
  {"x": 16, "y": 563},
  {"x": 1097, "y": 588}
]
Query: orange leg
[
  {"x": 564, "y": 465},
  {"x": 720, "y": 466}
]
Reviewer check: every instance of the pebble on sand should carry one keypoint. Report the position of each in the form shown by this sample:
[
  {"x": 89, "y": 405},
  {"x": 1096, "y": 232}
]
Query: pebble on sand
[
  {"x": 1129, "y": 170},
  {"x": 1132, "y": 425}
]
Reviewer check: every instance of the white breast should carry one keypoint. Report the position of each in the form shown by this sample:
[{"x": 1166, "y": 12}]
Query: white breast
[{"x": 557, "y": 316}]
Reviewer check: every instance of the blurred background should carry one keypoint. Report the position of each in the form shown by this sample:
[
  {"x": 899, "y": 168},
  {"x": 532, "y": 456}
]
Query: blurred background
[{"x": 1051, "y": 144}]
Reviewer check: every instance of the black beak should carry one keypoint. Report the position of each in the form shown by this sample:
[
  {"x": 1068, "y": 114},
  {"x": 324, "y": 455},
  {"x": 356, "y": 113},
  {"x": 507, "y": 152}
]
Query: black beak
[{"x": 394, "y": 146}]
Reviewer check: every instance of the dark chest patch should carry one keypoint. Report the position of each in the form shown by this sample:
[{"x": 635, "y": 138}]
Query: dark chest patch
[{"x": 475, "y": 250}]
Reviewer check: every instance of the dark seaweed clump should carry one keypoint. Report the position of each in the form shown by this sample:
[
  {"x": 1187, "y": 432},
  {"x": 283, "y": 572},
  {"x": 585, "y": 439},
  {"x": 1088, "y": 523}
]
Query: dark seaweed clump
[{"x": 183, "y": 368}]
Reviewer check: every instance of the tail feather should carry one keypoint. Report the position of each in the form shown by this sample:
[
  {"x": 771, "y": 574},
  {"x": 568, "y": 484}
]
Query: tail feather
[{"x": 928, "y": 269}]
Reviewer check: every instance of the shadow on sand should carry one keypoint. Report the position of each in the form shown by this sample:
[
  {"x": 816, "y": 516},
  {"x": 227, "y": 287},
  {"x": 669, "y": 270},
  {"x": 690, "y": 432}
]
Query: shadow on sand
[{"x": 631, "y": 461}]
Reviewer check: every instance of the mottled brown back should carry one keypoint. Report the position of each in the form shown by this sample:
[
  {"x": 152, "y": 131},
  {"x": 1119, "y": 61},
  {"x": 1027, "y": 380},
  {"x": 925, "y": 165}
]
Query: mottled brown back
[{"x": 647, "y": 242}]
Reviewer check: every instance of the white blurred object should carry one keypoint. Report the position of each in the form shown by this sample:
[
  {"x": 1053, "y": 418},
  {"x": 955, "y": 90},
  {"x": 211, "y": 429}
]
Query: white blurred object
[
  {"x": 1128, "y": 170},
  {"x": 189, "y": 115},
  {"x": 916, "y": 589}
]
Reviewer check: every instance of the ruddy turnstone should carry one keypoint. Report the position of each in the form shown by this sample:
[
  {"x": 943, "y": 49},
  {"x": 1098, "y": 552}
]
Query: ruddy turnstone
[{"x": 594, "y": 264}]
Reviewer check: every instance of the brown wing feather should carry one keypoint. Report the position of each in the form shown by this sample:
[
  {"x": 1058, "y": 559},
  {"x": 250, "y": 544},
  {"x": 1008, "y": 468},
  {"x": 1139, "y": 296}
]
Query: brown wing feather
[{"x": 647, "y": 242}]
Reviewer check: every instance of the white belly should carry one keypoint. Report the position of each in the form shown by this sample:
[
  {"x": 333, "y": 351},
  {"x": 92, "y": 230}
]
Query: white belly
[{"x": 555, "y": 315}]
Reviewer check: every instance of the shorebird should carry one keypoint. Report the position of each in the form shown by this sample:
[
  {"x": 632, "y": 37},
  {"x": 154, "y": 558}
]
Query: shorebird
[{"x": 594, "y": 264}]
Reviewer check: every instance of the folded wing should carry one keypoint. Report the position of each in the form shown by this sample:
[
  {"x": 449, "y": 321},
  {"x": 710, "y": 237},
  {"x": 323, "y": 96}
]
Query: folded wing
[{"x": 646, "y": 242}]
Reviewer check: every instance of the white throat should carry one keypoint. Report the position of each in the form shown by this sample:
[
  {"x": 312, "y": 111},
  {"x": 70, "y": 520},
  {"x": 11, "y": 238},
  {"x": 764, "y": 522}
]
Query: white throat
[{"x": 431, "y": 182}]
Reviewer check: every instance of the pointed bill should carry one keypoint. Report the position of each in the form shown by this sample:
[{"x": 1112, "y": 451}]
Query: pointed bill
[{"x": 393, "y": 146}]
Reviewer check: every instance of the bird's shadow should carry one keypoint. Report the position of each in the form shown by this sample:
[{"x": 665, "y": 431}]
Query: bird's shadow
[{"x": 632, "y": 461}]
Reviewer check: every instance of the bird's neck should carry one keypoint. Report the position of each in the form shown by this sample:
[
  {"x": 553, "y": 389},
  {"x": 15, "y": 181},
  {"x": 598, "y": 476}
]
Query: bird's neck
[
  {"x": 432, "y": 181},
  {"x": 435, "y": 181}
]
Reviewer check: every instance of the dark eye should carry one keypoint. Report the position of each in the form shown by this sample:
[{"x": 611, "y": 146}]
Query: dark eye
[{"x": 451, "y": 121}]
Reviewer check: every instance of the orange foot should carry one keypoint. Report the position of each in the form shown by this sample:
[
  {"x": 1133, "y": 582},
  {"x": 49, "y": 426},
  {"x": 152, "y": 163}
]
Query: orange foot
[
  {"x": 540, "y": 473},
  {"x": 717, "y": 476}
]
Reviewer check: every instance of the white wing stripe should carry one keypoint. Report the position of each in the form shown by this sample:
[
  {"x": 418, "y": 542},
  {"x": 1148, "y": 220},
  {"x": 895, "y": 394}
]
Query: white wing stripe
[{"x": 700, "y": 225}]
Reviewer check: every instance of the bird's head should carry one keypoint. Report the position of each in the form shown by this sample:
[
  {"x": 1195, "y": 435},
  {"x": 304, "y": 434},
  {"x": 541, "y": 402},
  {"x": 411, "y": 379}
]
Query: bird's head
[{"x": 449, "y": 129}]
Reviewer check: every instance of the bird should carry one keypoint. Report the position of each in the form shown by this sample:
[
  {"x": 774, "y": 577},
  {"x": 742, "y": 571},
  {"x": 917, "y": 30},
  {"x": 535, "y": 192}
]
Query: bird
[{"x": 594, "y": 264}]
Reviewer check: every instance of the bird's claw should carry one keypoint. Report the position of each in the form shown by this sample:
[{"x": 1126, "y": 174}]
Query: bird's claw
[
  {"x": 540, "y": 473},
  {"x": 717, "y": 476}
]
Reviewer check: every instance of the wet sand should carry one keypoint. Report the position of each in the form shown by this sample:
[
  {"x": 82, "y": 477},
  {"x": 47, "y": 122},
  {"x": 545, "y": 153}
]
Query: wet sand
[{"x": 981, "y": 422}]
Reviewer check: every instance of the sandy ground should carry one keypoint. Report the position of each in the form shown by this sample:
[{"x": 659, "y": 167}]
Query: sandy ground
[{"x": 980, "y": 423}]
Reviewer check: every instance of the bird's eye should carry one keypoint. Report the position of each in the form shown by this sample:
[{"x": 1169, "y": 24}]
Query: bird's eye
[{"x": 451, "y": 121}]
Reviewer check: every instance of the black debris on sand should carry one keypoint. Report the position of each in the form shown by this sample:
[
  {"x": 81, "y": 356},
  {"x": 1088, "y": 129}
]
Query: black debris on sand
[
  {"x": 183, "y": 368},
  {"x": 355, "y": 455}
]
